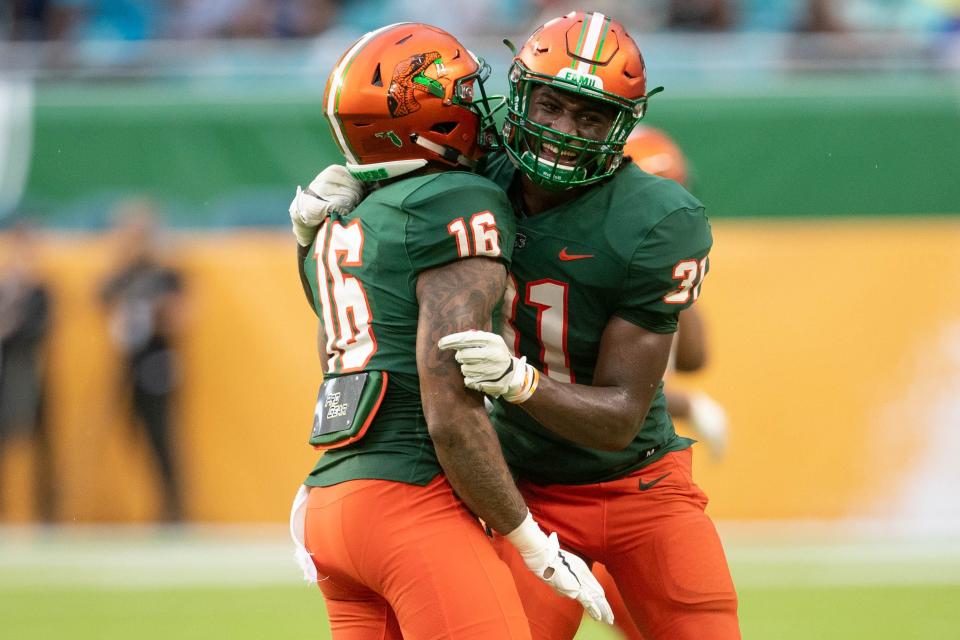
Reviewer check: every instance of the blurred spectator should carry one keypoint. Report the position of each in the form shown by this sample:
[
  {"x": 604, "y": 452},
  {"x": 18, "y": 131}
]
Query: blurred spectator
[
  {"x": 700, "y": 15},
  {"x": 252, "y": 18},
  {"x": 202, "y": 18},
  {"x": 128, "y": 20},
  {"x": 477, "y": 17},
  {"x": 24, "y": 326},
  {"x": 144, "y": 298},
  {"x": 819, "y": 17},
  {"x": 108, "y": 19},
  {"x": 27, "y": 20},
  {"x": 893, "y": 15},
  {"x": 643, "y": 16},
  {"x": 132, "y": 20},
  {"x": 304, "y": 18}
]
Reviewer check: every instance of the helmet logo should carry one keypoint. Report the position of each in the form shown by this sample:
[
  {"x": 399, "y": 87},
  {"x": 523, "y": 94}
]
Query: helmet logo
[
  {"x": 408, "y": 78},
  {"x": 580, "y": 78},
  {"x": 389, "y": 135}
]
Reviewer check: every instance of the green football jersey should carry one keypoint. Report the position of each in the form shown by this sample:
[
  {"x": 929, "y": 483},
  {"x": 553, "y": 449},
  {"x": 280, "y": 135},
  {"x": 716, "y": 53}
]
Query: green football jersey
[
  {"x": 634, "y": 247},
  {"x": 363, "y": 270}
]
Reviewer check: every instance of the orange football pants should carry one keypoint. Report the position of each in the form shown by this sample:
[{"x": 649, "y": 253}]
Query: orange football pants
[
  {"x": 397, "y": 561},
  {"x": 622, "y": 619},
  {"x": 657, "y": 543}
]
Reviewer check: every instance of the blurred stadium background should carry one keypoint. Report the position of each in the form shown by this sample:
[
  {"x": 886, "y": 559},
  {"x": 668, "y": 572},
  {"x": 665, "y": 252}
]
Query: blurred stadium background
[{"x": 824, "y": 137}]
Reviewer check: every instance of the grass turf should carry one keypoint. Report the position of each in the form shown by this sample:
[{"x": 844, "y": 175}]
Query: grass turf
[{"x": 187, "y": 613}]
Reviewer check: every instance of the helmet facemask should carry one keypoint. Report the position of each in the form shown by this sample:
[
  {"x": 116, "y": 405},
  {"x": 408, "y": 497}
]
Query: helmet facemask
[{"x": 485, "y": 108}]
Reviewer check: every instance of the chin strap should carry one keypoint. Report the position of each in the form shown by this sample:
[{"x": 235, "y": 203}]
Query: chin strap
[
  {"x": 447, "y": 153},
  {"x": 384, "y": 170}
]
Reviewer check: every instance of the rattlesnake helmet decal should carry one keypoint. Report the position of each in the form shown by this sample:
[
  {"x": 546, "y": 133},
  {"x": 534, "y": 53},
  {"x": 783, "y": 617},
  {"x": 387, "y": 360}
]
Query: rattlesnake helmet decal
[{"x": 408, "y": 77}]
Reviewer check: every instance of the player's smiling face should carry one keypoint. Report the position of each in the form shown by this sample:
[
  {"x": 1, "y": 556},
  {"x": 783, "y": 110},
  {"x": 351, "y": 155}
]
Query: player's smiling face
[{"x": 568, "y": 114}]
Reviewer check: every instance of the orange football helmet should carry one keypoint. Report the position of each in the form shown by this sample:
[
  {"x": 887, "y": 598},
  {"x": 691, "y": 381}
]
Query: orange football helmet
[
  {"x": 403, "y": 96},
  {"x": 655, "y": 152},
  {"x": 588, "y": 54}
]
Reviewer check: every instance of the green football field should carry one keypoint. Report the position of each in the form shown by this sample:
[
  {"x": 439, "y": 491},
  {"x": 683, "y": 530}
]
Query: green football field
[
  {"x": 221, "y": 583},
  {"x": 291, "y": 612}
]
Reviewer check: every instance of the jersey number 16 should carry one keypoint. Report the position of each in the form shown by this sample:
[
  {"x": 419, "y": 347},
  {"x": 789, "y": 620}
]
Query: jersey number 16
[{"x": 350, "y": 342}]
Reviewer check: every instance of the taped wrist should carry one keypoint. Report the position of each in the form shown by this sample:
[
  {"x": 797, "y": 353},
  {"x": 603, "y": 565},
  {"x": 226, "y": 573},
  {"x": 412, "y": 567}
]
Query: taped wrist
[
  {"x": 528, "y": 384},
  {"x": 305, "y": 235},
  {"x": 529, "y": 539}
]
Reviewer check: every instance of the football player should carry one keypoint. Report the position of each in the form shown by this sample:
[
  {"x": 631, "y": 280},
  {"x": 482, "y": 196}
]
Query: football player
[
  {"x": 409, "y": 453},
  {"x": 656, "y": 153},
  {"x": 607, "y": 257}
]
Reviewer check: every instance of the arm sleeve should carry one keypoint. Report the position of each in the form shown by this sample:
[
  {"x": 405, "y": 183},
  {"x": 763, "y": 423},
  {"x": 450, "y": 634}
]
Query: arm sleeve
[
  {"x": 666, "y": 271},
  {"x": 458, "y": 216}
]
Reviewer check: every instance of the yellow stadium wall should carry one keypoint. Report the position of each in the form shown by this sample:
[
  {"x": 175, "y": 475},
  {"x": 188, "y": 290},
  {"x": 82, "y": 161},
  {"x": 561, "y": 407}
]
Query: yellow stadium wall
[
  {"x": 834, "y": 351},
  {"x": 250, "y": 377}
]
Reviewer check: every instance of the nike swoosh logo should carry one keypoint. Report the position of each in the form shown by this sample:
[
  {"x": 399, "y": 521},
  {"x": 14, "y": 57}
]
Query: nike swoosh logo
[
  {"x": 573, "y": 256},
  {"x": 646, "y": 485}
]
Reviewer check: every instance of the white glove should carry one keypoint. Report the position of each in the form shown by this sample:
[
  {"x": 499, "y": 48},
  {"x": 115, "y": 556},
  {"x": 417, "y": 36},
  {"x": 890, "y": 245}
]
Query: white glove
[
  {"x": 487, "y": 366},
  {"x": 566, "y": 573},
  {"x": 709, "y": 421},
  {"x": 333, "y": 190}
]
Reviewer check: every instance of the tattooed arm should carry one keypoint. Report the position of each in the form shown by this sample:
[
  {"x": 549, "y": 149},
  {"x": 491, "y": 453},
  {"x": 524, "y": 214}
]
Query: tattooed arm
[{"x": 457, "y": 297}]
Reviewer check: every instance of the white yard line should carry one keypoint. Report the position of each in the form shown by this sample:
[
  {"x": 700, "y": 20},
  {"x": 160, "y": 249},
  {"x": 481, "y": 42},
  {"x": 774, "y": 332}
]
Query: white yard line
[{"x": 779, "y": 555}]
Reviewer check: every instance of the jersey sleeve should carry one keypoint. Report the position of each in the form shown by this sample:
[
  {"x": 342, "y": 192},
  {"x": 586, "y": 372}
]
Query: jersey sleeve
[
  {"x": 458, "y": 215},
  {"x": 666, "y": 271}
]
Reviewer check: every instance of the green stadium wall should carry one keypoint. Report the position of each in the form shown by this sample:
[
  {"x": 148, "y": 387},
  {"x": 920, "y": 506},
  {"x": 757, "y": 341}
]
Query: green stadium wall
[{"x": 215, "y": 158}]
